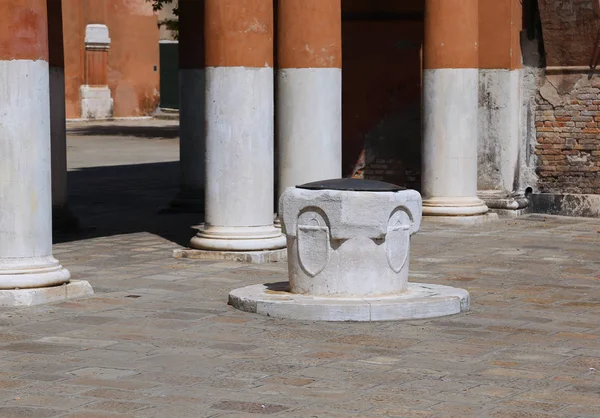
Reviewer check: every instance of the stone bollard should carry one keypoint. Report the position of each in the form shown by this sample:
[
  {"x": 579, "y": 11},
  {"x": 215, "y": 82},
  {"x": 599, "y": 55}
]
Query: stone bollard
[{"x": 348, "y": 257}]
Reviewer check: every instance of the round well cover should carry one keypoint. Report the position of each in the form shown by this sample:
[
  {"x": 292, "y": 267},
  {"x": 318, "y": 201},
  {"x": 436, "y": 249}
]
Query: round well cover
[{"x": 353, "y": 185}]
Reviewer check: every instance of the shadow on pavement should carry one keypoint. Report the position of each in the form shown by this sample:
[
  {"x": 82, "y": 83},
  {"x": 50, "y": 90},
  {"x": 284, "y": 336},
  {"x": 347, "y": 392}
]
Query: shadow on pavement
[
  {"x": 149, "y": 131},
  {"x": 127, "y": 199}
]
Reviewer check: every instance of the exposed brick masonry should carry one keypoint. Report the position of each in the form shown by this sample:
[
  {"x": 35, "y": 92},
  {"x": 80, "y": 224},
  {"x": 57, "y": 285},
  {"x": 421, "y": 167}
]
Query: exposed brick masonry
[{"x": 568, "y": 135}]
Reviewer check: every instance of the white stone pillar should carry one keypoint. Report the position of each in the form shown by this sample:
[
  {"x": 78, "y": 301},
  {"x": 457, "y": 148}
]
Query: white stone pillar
[
  {"x": 25, "y": 181},
  {"x": 96, "y": 100},
  {"x": 450, "y": 109},
  {"x": 192, "y": 146},
  {"x": 309, "y": 97},
  {"x": 239, "y": 128}
]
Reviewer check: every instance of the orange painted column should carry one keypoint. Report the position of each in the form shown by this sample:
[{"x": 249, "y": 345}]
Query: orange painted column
[
  {"x": 25, "y": 175},
  {"x": 309, "y": 77},
  {"x": 239, "y": 128},
  {"x": 450, "y": 110},
  {"x": 191, "y": 107}
]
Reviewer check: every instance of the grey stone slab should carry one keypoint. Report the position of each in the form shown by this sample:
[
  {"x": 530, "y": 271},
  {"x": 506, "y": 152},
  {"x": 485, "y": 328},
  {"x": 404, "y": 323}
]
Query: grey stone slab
[{"x": 527, "y": 346}]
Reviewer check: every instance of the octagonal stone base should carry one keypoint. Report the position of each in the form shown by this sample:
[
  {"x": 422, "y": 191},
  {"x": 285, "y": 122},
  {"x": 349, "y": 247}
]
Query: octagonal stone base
[{"x": 419, "y": 302}]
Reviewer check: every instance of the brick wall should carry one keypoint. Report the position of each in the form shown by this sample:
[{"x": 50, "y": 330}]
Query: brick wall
[{"x": 568, "y": 135}]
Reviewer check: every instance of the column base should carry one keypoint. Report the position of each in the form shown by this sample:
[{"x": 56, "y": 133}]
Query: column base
[
  {"x": 454, "y": 206},
  {"x": 418, "y": 302},
  {"x": 46, "y": 273},
  {"x": 504, "y": 204},
  {"x": 220, "y": 238},
  {"x": 30, "y": 297},
  {"x": 276, "y": 221},
  {"x": 63, "y": 220}
]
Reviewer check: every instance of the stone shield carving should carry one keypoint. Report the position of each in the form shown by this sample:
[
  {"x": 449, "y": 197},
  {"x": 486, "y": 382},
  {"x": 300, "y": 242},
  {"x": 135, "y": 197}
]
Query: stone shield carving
[
  {"x": 313, "y": 242},
  {"x": 398, "y": 240}
]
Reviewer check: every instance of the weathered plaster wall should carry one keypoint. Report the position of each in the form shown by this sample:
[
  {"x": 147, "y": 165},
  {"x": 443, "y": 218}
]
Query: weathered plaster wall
[{"x": 133, "y": 59}]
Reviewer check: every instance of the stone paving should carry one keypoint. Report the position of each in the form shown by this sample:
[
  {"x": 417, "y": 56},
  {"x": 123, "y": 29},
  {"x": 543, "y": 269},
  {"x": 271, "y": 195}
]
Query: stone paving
[{"x": 158, "y": 339}]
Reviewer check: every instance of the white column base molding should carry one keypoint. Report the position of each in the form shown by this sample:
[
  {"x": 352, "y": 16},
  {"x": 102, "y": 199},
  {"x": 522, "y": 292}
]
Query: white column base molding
[
  {"x": 256, "y": 238},
  {"x": 32, "y": 272},
  {"x": 503, "y": 200},
  {"x": 96, "y": 102},
  {"x": 454, "y": 206}
]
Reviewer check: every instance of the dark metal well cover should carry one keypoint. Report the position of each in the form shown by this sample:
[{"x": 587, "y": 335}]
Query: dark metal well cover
[{"x": 353, "y": 185}]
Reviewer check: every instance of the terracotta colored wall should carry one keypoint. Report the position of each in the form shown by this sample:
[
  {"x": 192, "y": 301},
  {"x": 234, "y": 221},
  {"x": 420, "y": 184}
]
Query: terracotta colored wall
[
  {"x": 73, "y": 29},
  {"x": 382, "y": 90},
  {"x": 132, "y": 58},
  {"x": 500, "y": 24},
  {"x": 134, "y": 53}
]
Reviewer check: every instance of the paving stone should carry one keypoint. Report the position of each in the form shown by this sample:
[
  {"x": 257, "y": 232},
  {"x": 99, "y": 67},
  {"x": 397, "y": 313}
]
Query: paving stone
[
  {"x": 40, "y": 348},
  {"x": 115, "y": 406},
  {"x": 159, "y": 340},
  {"x": 250, "y": 407},
  {"x": 102, "y": 373},
  {"x": 93, "y": 414},
  {"x": 48, "y": 401},
  {"x": 115, "y": 384},
  {"x": 26, "y": 412}
]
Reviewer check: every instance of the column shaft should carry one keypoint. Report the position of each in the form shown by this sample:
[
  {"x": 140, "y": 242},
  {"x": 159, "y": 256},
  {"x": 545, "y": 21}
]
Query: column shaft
[
  {"x": 25, "y": 176},
  {"x": 309, "y": 108},
  {"x": 450, "y": 102},
  {"x": 191, "y": 111},
  {"x": 239, "y": 127}
]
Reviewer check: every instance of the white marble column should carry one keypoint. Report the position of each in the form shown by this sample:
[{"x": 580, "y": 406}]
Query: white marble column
[
  {"x": 450, "y": 109},
  {"x": 239, "y": 128},
  {"x": 309, "y": 101},
  {"x": 25, "y": 181}
]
